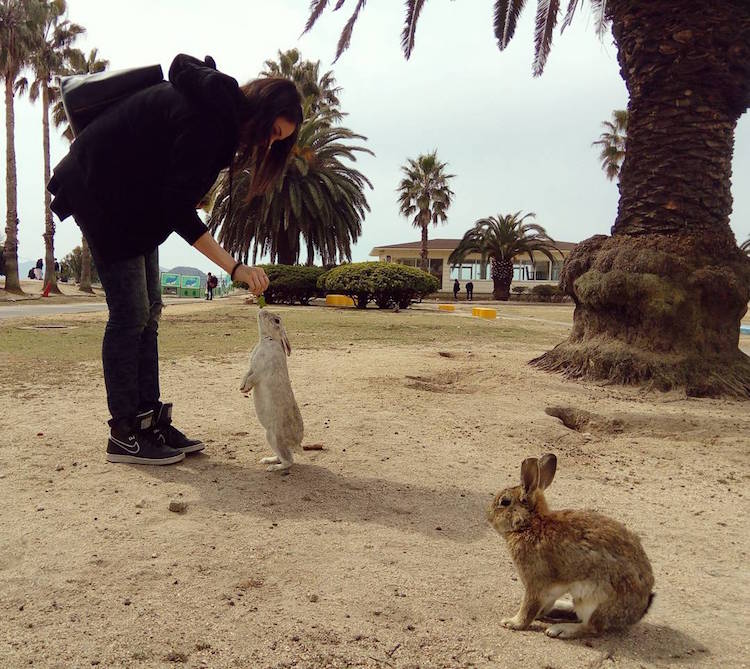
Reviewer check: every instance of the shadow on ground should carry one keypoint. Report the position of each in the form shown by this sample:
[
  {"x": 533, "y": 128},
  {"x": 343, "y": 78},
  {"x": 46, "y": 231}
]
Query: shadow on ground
[{"x": 311, "y": 491}]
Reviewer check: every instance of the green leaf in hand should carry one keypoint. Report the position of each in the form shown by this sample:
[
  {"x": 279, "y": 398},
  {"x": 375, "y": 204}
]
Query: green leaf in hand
[{"x": 261, "y": 301}]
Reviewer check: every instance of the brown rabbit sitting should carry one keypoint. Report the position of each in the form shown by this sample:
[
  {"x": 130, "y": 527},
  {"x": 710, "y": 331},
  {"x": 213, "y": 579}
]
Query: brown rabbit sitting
[{"x": 594, "y": 559}]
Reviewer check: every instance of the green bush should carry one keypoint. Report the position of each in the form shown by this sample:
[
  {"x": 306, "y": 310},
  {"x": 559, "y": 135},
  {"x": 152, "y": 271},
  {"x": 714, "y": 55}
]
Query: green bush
[
  {"x": 71, "y": 265},
  {"x": 547, "y": 293},
  {"x": 289, "y": 283},
  {"x": 384, "y": 283},
  {"x": 519, "y": 289}
]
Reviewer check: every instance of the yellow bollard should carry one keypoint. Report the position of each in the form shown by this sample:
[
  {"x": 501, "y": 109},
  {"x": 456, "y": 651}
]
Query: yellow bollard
[
  {"x": 484, "y": 312},
  {"x": 446, "y": 307}
]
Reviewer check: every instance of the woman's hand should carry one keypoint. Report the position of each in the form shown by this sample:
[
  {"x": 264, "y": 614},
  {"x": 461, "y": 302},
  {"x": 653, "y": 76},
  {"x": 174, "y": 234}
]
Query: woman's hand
[{"x": 254, "y": 277}]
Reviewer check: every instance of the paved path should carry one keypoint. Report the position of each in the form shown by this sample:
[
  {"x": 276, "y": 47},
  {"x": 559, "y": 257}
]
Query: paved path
[{"x": 30, "y": 310}]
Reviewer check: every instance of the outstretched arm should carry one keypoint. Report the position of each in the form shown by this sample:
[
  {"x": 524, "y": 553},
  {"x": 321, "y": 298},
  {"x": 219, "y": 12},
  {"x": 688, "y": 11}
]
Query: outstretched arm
[{"x": 254, "y": 277}]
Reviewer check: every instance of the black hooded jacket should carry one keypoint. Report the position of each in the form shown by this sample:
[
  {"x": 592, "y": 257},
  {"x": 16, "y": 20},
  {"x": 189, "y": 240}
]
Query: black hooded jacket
[{"x": 136, "y": 173}]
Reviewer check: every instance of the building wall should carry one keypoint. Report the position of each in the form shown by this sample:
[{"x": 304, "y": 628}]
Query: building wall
[{"x": 542, "y": 268}]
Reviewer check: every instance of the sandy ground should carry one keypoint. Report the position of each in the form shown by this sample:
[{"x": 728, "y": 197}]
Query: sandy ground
[
  {"x": 32, "y": 292},
  {"x": 373, "y": 552}
]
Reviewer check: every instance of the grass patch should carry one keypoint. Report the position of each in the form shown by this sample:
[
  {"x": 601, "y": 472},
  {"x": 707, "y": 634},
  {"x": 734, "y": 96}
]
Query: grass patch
[{"x": 50, "y": 356}]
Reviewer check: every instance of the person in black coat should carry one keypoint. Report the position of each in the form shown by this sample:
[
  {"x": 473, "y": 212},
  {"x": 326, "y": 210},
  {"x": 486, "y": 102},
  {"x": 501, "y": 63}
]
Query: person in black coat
[{"x": 136, "y": 174}]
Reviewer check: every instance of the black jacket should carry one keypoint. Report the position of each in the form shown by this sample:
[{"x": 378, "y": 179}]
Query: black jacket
[{"x": 137, "y": 172}]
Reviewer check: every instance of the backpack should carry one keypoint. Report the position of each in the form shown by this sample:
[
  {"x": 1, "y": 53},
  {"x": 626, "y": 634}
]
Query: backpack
[{"x": 86, "y": 96}]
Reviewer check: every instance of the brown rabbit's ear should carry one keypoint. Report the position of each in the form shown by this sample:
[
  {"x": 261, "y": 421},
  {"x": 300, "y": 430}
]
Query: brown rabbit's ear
[
  {"x": 530, "y": 475},
  {"x": 547, "y": 469}
]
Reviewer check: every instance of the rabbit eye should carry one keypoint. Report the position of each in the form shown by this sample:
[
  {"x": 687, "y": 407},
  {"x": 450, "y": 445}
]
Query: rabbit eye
[{"x": 505, "y": 501}]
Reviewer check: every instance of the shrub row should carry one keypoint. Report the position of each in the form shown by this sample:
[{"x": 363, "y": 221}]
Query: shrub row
[
  {"x": 386, "y": 284},
  {"x": 541, "y": 293}
]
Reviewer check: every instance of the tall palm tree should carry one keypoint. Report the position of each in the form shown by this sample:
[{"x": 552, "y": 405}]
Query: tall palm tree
[
  {"x": 501, "y": 239},
  {"x": 53, "y": 46},
  {"x": 79, "y": 63},
  {"x": 319, "y": 91},
  {"x": 18, "y": 22},
  {"x": 424, "y": 194},
  {"x": 612, "y": 143},
  {"x": 686, "y": 67},
  {"x": 318, "y": 201}
]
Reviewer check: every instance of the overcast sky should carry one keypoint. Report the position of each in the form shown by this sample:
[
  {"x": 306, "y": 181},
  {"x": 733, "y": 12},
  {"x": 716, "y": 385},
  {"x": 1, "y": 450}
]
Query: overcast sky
[{"x": 514, "y": 142}]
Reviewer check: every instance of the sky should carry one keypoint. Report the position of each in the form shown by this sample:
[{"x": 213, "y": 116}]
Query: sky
[{"x": 513, "y": 141}]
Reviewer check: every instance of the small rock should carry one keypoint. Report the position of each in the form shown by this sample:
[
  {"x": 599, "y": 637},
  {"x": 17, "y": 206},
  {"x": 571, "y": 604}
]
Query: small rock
[
  {"x": 313, "y": 598},
  {"x": 153, "y": 556},
  {"x": 59, "y": 468},
  {"x": 140, "y": 504},
  {"x": 126, "y": 602},
  {"x": 312, "y": 447},
  {"x": 40, "y": 508},
  {"x": 177, "y": 507}
]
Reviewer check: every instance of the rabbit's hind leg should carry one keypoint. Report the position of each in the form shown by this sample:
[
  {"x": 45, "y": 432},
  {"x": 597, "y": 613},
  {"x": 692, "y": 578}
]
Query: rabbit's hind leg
[
  {"x": 283, "y": 458},
  {"x": 584, "y": 609}
]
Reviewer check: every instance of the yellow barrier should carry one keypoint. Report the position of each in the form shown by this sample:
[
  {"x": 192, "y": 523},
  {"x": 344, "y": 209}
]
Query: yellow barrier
[
  {"x": 339, "y": 301},
  {"x": 484, "y": 312},
  {"x": 446, "y": 307}
]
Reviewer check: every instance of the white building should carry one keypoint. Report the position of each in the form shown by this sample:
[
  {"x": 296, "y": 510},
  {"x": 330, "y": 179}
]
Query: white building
[{"x": 525, "y": 273}]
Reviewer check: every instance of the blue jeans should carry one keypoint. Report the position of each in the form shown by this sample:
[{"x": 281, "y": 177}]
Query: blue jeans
[{"x": 130, "y": 353}]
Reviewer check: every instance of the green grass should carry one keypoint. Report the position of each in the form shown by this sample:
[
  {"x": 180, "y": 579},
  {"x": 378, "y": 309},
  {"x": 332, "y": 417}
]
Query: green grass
[{"x": 53, "y": 355}]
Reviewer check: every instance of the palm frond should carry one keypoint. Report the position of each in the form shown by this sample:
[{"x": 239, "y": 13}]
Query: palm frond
[
  {"x": 413, "y": 9},
  {"x": 568, "y": 19},
  {"x": 346, "y": 33},
  {"x": 546, "y": 19},
  {"x": 506, "y": 18},
  {"x": 316, "y": 9},
  {"x": 600, "y": 9}
]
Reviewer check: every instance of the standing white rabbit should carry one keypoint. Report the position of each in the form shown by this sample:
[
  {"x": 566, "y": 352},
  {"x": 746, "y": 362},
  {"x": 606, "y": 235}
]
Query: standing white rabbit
[{"x": 268, "y": 378}]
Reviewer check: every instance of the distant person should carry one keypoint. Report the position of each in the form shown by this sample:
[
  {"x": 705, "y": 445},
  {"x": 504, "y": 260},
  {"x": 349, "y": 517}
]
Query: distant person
[
  {"x": 469, "y": 290},
  {"x": 31, "y": 274},
  {"x": 38, "y": 269},
  {"x": 132, "y": 177},
  {"x": 211, "y": 283},
  {"x": 57, "y": 268},
  {"x": 456, "y": 289}
]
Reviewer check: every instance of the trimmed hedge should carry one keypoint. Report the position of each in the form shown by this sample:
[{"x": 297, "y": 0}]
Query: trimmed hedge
[
  {"x": 289, "y": 283},
  {"x": 384, "y": 283}
]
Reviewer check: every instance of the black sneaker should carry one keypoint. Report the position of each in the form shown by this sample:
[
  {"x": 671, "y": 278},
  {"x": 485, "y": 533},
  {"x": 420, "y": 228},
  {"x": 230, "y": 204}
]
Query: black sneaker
[
  {"x": 168, "y": 434},
  {"x": 133, "y": 441}
]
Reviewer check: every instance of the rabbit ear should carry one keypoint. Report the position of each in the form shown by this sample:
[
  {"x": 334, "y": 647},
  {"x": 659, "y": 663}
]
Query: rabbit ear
[
  {"x": 547, "y": 468},
  {"x": 285, "y": 343},
  {"x": 530, "y": 475}
]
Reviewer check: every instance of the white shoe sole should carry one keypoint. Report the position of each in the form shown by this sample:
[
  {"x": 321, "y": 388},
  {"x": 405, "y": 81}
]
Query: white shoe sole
[
  {"x": 134, "y": 460},
  {"x": 192, "y": 449}
]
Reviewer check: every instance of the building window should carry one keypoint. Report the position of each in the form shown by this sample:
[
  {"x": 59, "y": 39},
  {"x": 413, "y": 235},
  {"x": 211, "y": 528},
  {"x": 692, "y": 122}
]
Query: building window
[
  {"x": 556, "y": 269},
  {"x": 409, "y": 262},
  {"x": 388, "y": 258}
]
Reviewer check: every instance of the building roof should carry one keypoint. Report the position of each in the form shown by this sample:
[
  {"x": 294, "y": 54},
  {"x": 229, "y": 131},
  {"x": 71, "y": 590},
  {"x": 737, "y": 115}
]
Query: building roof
[{"x": 448, "y": 245}]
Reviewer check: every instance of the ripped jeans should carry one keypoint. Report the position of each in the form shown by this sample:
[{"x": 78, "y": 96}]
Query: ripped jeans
[{"x": 130, "y": 354}]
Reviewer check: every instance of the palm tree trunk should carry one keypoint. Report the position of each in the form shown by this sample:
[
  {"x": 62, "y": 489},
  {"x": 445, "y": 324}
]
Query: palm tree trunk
[
  {"x": 660, "y": 301},
  {"x": 502, "y": 276},
  {"x": 50, "y": 278},
  {"x": 284, "y": 250},
  {"x": 85, "y": 283},
  {"x": 12, "y": 283},
  {"x": 424, "y": 255}
]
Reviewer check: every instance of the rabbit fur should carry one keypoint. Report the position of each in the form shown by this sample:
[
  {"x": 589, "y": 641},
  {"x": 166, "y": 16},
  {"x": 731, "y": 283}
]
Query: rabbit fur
[
  {"x": 268, "y": 378},
  {"x": 592, "y": 558}
]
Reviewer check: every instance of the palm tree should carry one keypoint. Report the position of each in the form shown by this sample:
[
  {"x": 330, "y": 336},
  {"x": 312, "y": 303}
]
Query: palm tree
[
  {"x": 319, "y": 92},
  {"x": 318, "y": 200},
  {"x": 612, "y": 141},
  {"x": 18, "y": 22},
  {"x": 425, "y": 195},
  {"x": 501, "y": 239},
  {"x": 53, "y": 48},
  {"x": 79, "y": 63},
  {"x": 685, "y": 65}
]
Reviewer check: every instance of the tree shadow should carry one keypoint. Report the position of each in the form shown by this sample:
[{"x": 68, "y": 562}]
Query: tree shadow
[{"x": 311, "y": 491}]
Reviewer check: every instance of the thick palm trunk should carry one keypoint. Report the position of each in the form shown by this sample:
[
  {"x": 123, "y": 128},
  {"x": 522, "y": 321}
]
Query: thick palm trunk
[
  {"x": 12, "y": 283},
  {"x": 502, "y": 276},
  {"x": 84, "y": 284},
  {"x": 284, "y": 252},
  {"x": 50, "y": 278},
  {"x": 660, "y": 300},
  {"x": 424, "y": 256}
]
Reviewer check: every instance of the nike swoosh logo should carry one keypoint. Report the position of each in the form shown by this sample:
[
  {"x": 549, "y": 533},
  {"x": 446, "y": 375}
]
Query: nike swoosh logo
[{"x": 130, "y": 448}]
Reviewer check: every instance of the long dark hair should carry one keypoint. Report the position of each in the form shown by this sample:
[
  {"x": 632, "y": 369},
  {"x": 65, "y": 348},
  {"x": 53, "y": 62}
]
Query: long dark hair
[{"x": 266, "y": 100}]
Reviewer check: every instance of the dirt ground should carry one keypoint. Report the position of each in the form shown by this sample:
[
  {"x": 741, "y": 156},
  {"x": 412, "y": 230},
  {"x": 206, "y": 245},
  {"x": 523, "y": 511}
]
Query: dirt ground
[{"x": 373, "y": 552}]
